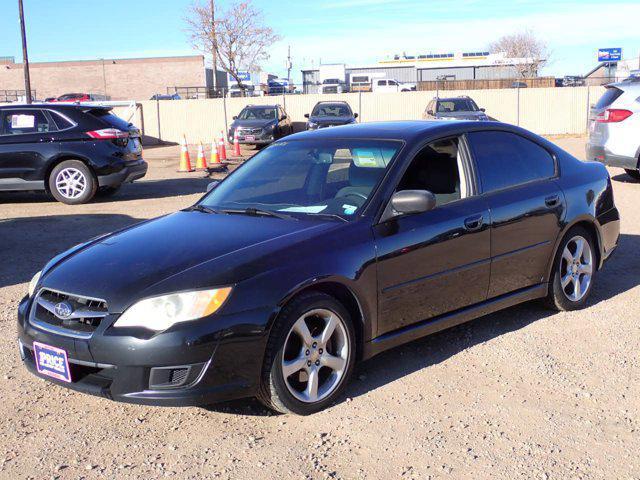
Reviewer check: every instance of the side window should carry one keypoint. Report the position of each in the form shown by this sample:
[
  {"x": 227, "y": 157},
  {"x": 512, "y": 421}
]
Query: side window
[
  {"x": 505, "y": 159},
  {"x": 382, "y": 83},
  {"x": 392, "y": 82},
  {"x": 437, "y": 168},
  {"x": 16, "y": 122},
  {"x": 60, "y": 121}
]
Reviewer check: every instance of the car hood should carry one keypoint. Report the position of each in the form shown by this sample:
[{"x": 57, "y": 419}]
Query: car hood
[
  {"x": 332, "y": 120},
  {"x": 252, "y": 123},
  {"x": 463, "y": 115},
  {"x": 140, "y": 261}
]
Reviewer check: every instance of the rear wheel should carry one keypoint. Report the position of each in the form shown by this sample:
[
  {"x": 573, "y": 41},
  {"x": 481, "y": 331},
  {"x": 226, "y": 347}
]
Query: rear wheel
[
  {"x": 72, "y": 182},
  {"x": 573, "y": 271},
  {"x": 633, "y": 173},
  {"x": 310, "y": 355}
]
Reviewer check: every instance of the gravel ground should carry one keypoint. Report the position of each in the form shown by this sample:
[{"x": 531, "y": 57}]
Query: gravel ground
[{"x": 524, "y": 393}]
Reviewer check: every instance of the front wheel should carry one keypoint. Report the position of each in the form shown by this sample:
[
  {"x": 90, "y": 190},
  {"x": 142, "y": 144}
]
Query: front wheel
[
  {"x": 310, "y": 355},
  {"x": 573, "y": 271},
  {"x": 72, "y": 182},
  {"x": 633, "y": 173}
]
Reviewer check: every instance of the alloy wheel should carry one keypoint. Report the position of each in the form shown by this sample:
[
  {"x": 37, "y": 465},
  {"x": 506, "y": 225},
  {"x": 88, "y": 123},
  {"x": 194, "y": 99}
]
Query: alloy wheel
[
  {"x": 576, "y": 268},
  {"x": 316, "y": 355},
  {"x": 71, "y": 183}
]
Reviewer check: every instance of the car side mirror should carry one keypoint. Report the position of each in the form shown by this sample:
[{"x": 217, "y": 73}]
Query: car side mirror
[
  {"x": 306, "y": 115},
  {"x": 235, "y": 118},
  {"x": 355, "y": 115},
  {"x": 429, "y": 112},
  {"x": 284, "y": 117},
  {"x": 483, "y": 109},
  {"x": 406, "y": 202},
  {"x": 212, "y": 185}
]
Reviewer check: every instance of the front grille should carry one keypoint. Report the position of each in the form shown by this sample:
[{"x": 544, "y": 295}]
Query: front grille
[
  {"x": 249, "y": 131},
  {"x": 330, "y": 89},
  {"x": 67, "y": 314}
]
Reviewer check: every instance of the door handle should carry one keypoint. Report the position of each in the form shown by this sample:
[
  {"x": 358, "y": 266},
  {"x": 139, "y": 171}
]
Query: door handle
[
  {"x": 474, "y": 223},
  {"x": 552, "y": 201}
]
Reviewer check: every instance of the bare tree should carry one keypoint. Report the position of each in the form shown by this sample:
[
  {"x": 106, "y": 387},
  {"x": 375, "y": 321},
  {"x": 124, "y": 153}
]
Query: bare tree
[
  {"x": 236, "y": 39},
  {"x": 524, "y": 45}
]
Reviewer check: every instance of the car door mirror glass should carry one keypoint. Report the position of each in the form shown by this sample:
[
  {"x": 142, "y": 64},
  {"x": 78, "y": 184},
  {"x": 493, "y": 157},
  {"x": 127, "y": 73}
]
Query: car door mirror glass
[
  {"x": 429, "y": 112},
  {"x": 406, "y": 202},
  {"x": 306, "y": 115}
]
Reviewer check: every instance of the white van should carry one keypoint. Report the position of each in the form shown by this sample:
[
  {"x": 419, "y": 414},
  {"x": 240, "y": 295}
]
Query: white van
[{"x": 385, "y": 85}]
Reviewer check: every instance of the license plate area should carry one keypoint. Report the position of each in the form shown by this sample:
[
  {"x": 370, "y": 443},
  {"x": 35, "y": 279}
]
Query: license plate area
[
  {"x": 52, "y": 362},
  {"x": 250, "y": 138}
]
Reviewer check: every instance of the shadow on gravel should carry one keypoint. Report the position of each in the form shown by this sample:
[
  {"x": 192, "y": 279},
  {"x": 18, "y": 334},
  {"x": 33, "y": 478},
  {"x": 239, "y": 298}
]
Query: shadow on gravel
[
  {"x": 29, "y": 242},
  {"x": 195, "y": 183},
  {"x": 618, "y": 276},
  {"x": 624, "y": 178}
]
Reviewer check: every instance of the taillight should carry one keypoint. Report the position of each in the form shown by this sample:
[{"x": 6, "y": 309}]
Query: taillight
[
  {"x": 613, "y": 116},
  {"x": 108, "y": 134}
]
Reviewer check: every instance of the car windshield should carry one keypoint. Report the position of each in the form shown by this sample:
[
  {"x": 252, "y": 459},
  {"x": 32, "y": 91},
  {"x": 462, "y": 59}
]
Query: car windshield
[
  {"x": 258, "y": 113},
  {"x": 307, "y": 178},
  {"x": 331, "y": 110},
  {"x": 457, "y": 105}
]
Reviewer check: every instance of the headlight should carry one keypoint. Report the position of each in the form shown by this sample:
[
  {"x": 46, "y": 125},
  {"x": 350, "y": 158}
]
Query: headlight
[
  {"x": 160, "y": 313},
  {"x": 312, "y": 125},
  {"x": 34, "y": 283}
]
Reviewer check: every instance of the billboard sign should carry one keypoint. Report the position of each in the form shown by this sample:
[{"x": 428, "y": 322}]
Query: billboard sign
[{"x": 609, "y": 54}]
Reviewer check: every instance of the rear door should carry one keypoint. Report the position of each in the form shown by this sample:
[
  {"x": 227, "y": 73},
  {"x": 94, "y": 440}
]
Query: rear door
[
  {"x": 517, "y": 178},
  {"x": 26, "y": 143}
]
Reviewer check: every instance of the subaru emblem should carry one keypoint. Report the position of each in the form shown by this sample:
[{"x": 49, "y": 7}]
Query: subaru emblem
[{"x": 63, "y": 310}]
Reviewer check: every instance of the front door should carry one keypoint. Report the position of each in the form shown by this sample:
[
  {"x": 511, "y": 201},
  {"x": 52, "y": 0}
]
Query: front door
[{"x": 437, "y": 261}]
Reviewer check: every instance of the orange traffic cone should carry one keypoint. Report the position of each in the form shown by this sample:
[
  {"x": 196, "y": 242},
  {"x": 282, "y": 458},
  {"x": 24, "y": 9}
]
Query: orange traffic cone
[
  {"x": 215, "y": 157},
  {"x": 185, "y": 160},
  {"x": 236, "y": 144},
  {"x": 223, "y": 148},
  {"x": 201, "y": 161}
]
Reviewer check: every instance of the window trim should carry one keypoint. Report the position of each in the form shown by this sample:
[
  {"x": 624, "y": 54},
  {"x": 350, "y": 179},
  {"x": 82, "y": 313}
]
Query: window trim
[
  {"x": 468, "y": 170},
  {"x": 482, "y": 192}
]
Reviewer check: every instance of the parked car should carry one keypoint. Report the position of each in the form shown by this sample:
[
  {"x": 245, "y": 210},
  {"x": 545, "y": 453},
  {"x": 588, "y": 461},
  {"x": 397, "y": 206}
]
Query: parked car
[
  {"x": 454, "y": 108},
  {"x": 573, "y": 81},
  {"x": 330, "y": 114},
  {"x": 69, "y": 151},
  {"x": 519, "y": 85},
  {"x": 332, "y": 85},
  {"x": 324, "y": 249},
  {"x": 385, "y": 85},
  {"x": 81, "y": 97},
  {"x": 260, "y": 125},
  {"x": 614, "y": 128}
]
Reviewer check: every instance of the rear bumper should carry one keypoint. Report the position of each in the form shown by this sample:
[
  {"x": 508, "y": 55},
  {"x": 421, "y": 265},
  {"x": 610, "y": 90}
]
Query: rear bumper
[
  {"x": 598, "y": 153},
  {"x": 130, "y": 173}
]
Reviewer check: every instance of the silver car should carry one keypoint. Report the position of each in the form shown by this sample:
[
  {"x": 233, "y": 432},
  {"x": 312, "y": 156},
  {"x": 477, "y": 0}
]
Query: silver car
[
  {"x": 614, "y": 127},
  {"x": 454, "y": 108}
]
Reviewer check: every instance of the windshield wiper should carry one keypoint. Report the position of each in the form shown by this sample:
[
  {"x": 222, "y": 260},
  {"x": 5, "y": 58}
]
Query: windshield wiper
[
  {"x": 328, "y": 215},
  {"x": 256, "y": 212},
  {"x": 201, "y": 208}
]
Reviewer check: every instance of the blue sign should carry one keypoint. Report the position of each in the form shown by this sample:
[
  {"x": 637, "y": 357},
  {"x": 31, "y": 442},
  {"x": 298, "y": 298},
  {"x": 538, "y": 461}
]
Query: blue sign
[
  {"x": 243, "y": 76},
  {"x": 609, "y": 54}
]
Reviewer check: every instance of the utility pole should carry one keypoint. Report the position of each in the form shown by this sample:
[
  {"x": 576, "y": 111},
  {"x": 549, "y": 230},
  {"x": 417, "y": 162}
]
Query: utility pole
[
  {"x": 289, "y": 66},
  {"x": 214, "y": 46},
  {"x": 25, "y": 57}
]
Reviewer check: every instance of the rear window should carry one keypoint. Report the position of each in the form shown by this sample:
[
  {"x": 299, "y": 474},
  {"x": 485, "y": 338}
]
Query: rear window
[
  {"x": 111, "y": 119},
  {"x": 610, "y": 96}
]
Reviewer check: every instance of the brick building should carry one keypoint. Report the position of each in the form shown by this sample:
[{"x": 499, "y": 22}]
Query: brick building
[{"x": 118, "y": 78}]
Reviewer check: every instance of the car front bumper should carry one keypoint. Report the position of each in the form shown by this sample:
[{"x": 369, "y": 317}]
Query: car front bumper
[
  {"x": 598, "y": 153},
  {"x": 222, "y": 363},
  {"x": 130, "y": 172}
]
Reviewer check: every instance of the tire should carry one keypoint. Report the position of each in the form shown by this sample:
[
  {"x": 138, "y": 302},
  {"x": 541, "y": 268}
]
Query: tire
[
  {"x": 108, "y": 191},
  {"x": 329, "y": 361},
  {"x": 571, "y": 270},
  {"x": 635, "y": 174},
  {"x": 83, "y": 184}
]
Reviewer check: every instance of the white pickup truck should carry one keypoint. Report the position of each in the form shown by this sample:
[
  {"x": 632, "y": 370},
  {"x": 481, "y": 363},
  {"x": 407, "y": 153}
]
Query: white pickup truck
[{"x": 385, "y": 85}]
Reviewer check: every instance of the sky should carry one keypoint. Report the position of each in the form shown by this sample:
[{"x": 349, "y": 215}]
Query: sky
[{"x": 331, "y": 31}]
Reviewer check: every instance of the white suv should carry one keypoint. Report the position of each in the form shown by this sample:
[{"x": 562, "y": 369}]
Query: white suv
[{"x": 614, "y": 128}]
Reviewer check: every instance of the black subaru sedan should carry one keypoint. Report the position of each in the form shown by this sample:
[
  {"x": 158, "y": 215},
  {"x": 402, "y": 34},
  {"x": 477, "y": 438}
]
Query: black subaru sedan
[{"x": 323, "y": 250}]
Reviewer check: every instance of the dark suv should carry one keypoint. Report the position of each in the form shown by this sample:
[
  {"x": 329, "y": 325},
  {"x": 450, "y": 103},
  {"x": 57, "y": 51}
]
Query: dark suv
[
  {"x": 260, "y": 125},
  {"x": 70, "y": 151}
]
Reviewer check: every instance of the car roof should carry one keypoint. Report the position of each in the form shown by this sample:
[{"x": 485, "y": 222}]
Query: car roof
[
  {"x": 629, "y": 84},
  {"x": 408, "y": 131},
  {"x": 332, "y": 101},
  {"x": 262, "y": 106},
  {"x": 85, "y": 107}
]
